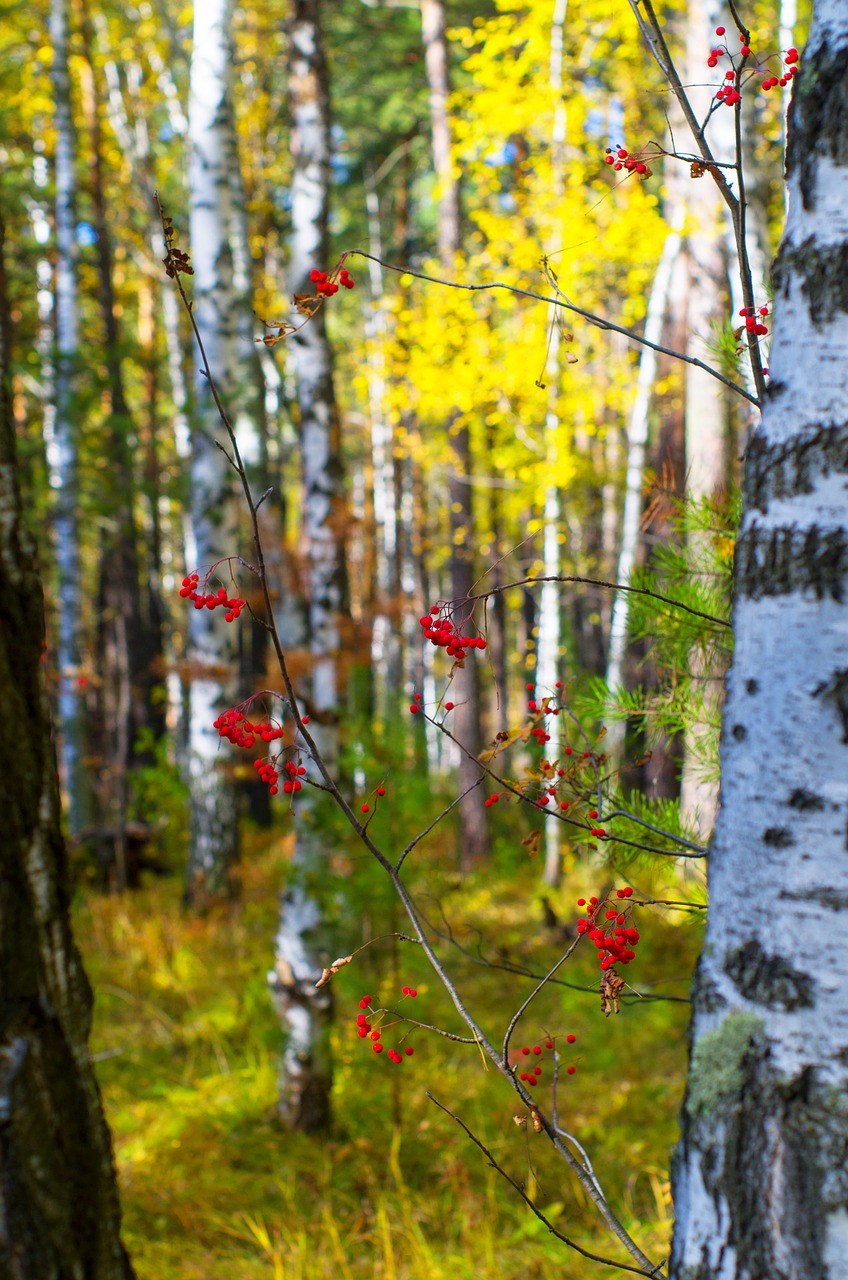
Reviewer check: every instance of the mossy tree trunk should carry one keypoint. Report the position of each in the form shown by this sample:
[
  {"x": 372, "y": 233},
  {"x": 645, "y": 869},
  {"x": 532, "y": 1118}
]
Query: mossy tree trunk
[
  {"x": 59, "y": 1213},
  {"x": 761, "y": 1184}
]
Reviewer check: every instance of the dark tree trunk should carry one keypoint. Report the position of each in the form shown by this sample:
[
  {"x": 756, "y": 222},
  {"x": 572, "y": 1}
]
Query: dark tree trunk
[{"x": 59, "y": 1212}]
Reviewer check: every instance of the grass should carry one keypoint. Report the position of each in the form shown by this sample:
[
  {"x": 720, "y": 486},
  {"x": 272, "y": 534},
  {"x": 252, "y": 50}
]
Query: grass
[{"x": 187, "y": 1047}]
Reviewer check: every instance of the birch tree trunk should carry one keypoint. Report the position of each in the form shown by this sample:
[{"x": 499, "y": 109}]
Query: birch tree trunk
[
  {"x": 761, "y": 1187},
  {"x": 473, "y": 831},
  {"x": 59, "y": 1213},
  {"x": 306, "y": 1075},
  {"x": 212, "y": 651},
  {"x": 64, "y": 478}
]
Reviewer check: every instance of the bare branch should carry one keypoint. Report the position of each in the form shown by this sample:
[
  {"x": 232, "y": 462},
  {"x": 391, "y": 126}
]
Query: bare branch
[{"x": 572, "y": 1244}]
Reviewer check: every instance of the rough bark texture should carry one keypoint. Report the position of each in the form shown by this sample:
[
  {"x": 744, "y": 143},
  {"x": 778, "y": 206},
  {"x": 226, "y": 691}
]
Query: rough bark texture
[
  {"x": 59, "y": 1214},
  {"x": 761, "y": 1185}
]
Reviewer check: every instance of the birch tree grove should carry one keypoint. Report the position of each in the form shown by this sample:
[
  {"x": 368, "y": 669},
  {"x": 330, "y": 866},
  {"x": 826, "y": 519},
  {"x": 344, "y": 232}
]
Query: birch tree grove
[{"x": 760, "y": 1186}]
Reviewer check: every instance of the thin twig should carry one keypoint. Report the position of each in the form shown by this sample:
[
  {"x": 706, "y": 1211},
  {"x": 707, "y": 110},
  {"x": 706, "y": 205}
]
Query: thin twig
[
  {"x": 558, "y": 301},
  {"x": 572, "y": 1244},
  {"x": 415, "y": 840}
]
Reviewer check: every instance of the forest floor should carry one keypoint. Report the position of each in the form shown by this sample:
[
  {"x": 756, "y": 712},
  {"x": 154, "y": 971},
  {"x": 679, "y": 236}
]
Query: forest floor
[{"x": 187, "y": 1048}]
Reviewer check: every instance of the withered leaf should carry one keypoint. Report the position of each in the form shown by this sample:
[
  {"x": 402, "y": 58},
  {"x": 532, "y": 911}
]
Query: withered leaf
[
  {"x": 531, "y": 843},
  {"x": 327, "y": 974},
  {"x": 611, "y": 987}
]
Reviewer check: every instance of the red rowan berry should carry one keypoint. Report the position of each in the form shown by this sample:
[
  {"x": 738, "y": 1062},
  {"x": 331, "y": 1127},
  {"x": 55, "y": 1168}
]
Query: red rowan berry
[
  {"x": 381, "y": 791},
  {"x": 571, "y": 1070},
  {"x": 571, "y": 1039},
  {"x": 409, "y": 1051}
]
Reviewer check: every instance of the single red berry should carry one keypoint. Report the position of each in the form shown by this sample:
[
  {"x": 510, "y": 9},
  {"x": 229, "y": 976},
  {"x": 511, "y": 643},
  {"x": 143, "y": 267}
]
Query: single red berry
[
  {"x": 571, "y": 1039},
  {"x": 378, "y": 1048},
  {"x": 719, "y": 31},
  {"x": 366, "y": 808},
  {"x": 581, "y": 902},
  {"x": 413, "y": 708},
  {"x": 381, "y": 791},
  {"x": 537, "y": 1048},
  {"x": 525, "y": 1051},
  {"x": 571, "y": 1070},
  {"x": 409, "y": 1051}
]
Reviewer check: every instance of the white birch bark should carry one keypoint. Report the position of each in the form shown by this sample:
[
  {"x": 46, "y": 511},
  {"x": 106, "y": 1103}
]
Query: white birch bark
[
  {"x": 306, "y": 1072},
  {"x": 64, "y": 478},
  {"x": 212, "y": 655},
  {"x": 761, "y": 1187}
]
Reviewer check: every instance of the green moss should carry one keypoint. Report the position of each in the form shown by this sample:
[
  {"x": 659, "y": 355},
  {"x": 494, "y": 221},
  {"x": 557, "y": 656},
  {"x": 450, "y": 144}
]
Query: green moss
[{"x": 717, "y": 1071}]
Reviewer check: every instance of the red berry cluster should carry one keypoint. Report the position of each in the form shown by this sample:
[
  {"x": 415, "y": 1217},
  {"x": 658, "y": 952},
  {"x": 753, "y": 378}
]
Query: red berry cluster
[
  {"x": 492, "y": 799},
  {"x": 267, "y": 773},
  {"x": 729, "y": 92},
  {"x": 366, "y": 1029},
  {"x": 791, "y": 61},
  {"x": 532, "y": 1078},
  {"x": 415, "y": 704},
  {"x": 441, "y": 631},
  {"x": 241, "y": 732},
  {"x": 326, "y": 287},
  {"x": 189, "y": 591},
  {"x": 618, "y": 945},
  {"x": 293, "y": 782},
  {"x": 620, "y": 158},
  {"x": 752, "y": 323}
]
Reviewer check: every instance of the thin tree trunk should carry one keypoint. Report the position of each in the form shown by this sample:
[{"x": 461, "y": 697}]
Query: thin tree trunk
[
  {"x": 474, "y": 835},
  {"x": 212, "y": 647},
  {"x": 73, "y": 728},
  {"x": 307, "y": 1070},
  {"x": 58, "y": 1197},
  {"x": 129, "y": 655},
  {"x": 708, "y": 301},
  {"x": 637, "y": 443},
  {"x": 760, "y": 1180},
  {"x": 549, "y": 610}
]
